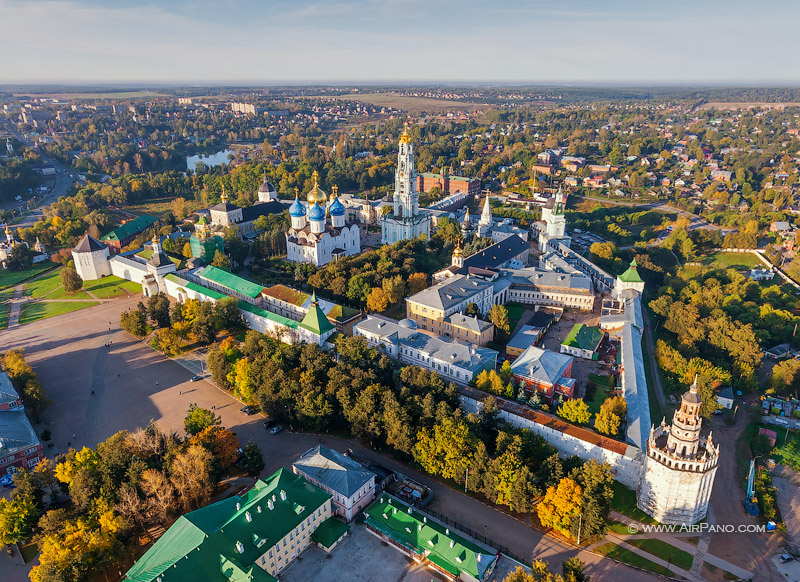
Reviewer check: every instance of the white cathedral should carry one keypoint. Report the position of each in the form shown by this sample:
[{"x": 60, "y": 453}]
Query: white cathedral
[
  {"x": 555, "y": 222},
  {"x": 310, "y": 239},
  {"x": 406, "y": 220}
]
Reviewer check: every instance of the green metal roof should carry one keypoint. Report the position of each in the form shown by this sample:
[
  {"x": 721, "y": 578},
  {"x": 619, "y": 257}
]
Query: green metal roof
[
  {"x": 443, "y": 547},
  {"x": 315, "y": 319},
  {"x": 584, "y": 337},
  {"x": 245, "y": 306},
  {"x": 225, "y": 279},
  {"x": 202, "y": 545},
  {"x": 632, "y": 274},
  {"x": 194, "y": 286},
  {"x": 130, "y": 228},
  {"x": 330, "y": 531}
]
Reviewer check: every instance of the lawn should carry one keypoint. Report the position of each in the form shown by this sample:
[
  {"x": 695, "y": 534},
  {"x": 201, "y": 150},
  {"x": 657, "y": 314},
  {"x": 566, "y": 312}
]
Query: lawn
[
  {"x": 11, "y": 278},
  {"x": 731, "y": 260},
  {"x": 44, "y": 284},
  {"x": 623, "y": 555},
  {"x": 515, "y": 311},
  {"x": 625, "y": 502},
  {"x": 598, "y": 389},
  {"x": 664, "y": 551},
  {"x": 4, "y": 309},
  {"x": 111, "y": 286},
  {"x": 787, "y": 449},
  {"x": 36, "y": 311},
  {"x": 620, "y": 528}
]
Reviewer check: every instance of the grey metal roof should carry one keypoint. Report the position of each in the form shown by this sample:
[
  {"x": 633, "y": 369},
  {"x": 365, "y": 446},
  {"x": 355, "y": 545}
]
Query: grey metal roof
[
  {"x": 339, "y": 472},
  {"x": 541, "y": 365},
  {"x": 525, "y": 337},
  {"x": 536, "y": 277},
  {"x": 263, "y": 209},
  {"x": 496, "y": 254},
  {"x": 16, "y": 432},
  {"x": 634, "y": 381},
  {"x": 7, "y": 391},
  {"x": 468, "y": 322},
  {"x": 89, "y": 244},
  {"x": 449, "y": 292},
  {"x": 462, "y": 355}
]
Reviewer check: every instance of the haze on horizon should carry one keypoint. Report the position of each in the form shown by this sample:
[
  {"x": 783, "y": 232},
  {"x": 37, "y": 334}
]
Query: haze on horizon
[{"x": 274, "y": 41}]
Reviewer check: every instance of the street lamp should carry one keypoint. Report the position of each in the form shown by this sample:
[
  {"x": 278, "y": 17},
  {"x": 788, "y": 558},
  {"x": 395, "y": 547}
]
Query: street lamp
[{"x": 580, "y": 522}]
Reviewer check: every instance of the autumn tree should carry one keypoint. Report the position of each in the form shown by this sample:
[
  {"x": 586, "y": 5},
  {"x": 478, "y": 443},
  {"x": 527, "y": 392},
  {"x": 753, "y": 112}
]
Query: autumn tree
[
  {"x": 17, "y": 518},
  {"x": 253, "y": 460},
  {"x": 612, "y": 413},
  {"x": 221, "y": 261},
  {"x": 560, "y": 506},
  {"x": 219, "y": 441},
  {"x": 160, "y": 494},
  {"x": 158, "y": 309},
  {"x": 446, "y": 450},
  {"x": 394, "y": 288},
  {"x": 134, "y": 322},
  {"x": 377, "y": 300},
  {"x": 575, "y": 410},
  {"x": 498, "y": 315},
  {"x": 417, "y": 282},
  {"x": 190, "y": 474}
]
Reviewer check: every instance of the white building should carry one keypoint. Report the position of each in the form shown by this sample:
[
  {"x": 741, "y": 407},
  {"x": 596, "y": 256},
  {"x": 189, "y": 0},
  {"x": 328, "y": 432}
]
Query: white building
[
  {"x": 351, "y": 486},
  {"x": 406, "y": 220},
  {"x": 452, "y": 360},
  {"x": 225, "y": 214},
  {"x": 310, "y": 239},
  {"x": 680, "y": 467},
  {"x": 536, "y": 286},
  {"x": 630, "y": 279}
]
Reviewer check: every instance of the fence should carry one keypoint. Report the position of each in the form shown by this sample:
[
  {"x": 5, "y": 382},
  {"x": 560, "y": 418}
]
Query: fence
[{"x": 477, "y": 536}]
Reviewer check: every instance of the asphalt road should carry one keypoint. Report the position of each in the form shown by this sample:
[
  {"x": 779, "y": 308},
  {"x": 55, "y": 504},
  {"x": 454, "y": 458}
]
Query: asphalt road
[{"x": 133, "y": 384}]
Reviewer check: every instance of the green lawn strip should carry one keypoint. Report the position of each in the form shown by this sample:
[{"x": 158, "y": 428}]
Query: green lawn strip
[
  {"x": 597, "y": 391},
  {"x": 111, "y": 286},
  {"x": 36, "y": 311},
  {"x": 625, "y": 503},
  {"x": 44, "y": 284},
  {"x": 4, "y": 311},
  {"x": 616, "y": 552},
  {"x": 664, "y": 551},
  {"x": 12, "y": 278},
  {"x": 61, "y": 293},
  {"x": 620, "y": 528}
]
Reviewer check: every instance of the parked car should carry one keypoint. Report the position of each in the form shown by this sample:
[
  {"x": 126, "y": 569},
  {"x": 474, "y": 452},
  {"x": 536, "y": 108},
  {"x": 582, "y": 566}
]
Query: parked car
[
  {"x": 786, "y": 558},
  {"x": 717, "y": 412},
  {"x": 195, "y": 378},
  {"x": 276, "y": 429},
  {"x": 7, "y": 480},
  {"x": 268, "y": 424},
  {"x": 249, "y": 409}
]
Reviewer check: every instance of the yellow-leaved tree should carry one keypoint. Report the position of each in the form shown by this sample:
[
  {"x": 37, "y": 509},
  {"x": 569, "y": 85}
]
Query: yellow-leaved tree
[{"x": 560, "y": 506}]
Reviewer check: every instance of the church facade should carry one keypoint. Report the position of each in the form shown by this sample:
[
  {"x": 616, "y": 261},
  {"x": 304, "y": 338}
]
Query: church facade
[
  {"x": 406, "y": 220},
  {"x": 311, "y": 238}
]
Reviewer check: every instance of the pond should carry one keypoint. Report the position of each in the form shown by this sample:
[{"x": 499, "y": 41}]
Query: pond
[{"x": 211, "y": 160}]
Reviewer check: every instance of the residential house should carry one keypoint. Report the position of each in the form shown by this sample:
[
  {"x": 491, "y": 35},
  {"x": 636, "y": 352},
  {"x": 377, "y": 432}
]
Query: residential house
[
  {"x": 546, "y": 372},
  {"x": 582, "y": 341}
]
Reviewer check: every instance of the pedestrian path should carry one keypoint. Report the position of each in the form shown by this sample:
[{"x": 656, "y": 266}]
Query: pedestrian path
[{"x": 700, "y": 551}]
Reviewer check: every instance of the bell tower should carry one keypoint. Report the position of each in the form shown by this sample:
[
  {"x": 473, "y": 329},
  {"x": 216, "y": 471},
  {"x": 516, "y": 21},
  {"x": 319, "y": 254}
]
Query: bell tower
[{"x": 406, "y": 198}]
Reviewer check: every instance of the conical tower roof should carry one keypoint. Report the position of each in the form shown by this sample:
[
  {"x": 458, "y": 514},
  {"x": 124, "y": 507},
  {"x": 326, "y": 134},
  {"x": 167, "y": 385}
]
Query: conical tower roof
[
  {"x": 632, "y": 274},
  {"x": 315, "y": 320}
]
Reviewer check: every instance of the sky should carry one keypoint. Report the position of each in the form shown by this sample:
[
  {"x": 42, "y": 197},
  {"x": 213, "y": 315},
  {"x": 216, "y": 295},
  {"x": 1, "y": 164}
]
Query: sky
[{"x": 385, "y": 41}]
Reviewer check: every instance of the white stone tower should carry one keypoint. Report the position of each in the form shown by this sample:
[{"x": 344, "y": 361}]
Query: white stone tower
[
  {"x": 680, "y": 466},
  {"x": 458, "y": 256},
  {"x": 485, "y": 222},
  {"x": 267, "y": 192},
  {"x": 91, "y": 259},
  {"x": 406, "y": 220}
]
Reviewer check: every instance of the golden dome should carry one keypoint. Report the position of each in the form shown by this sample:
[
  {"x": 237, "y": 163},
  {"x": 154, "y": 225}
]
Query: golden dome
[
  {"x": 405, "y": 137},
  {"x": 316, "y": 194},
  {"x": 457, "y": 250}
]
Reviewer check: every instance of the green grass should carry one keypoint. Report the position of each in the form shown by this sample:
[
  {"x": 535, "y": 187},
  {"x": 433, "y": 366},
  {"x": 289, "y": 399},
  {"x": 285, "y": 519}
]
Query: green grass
[
  {"x": 44, "y": 284},
  {"x": 36, "y": 311},
  {"x": 111, "y": 286},
  {"x": 731, "y": 260},
  {"x": 787, "y": 449},
  {"x": 664, "y": 551},
  {"x": 624, "y": 555},
  {"x": 620, "y": 528},
  {"x": 597, "y": 391},
  {"x": 625, "y": 503},
  {"x": 515, "y": 311},
  {"x": 61, "y": 293},
  {"x": 12, "y": 278},
  {"x": 4, "y": 311}
]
